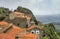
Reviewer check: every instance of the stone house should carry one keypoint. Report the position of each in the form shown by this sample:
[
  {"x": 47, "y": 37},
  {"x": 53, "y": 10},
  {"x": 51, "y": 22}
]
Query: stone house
[
  {"x": 20, "y": 22},
  {"x": 19, "y": 19},
  {"x": 16, "y": 14}
]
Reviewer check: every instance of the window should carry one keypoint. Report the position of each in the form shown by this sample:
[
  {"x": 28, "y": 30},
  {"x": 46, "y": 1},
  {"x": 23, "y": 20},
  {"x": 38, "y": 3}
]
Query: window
[
  {"x": 16, "y": 37},
  {"x": 19, "y": 25},
  {"x": 27, "y": 26},
  {"x": 33, "y": 32},
  {"x": 44, "y": 35},
  {"x": 37, "y": 32}
]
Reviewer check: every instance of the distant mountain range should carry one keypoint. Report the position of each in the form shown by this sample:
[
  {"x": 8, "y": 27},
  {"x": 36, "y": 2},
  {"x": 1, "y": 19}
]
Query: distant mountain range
[{"x": 55, "y": 19}]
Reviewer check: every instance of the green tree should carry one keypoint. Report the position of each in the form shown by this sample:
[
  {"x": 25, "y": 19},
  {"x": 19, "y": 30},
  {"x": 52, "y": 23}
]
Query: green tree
[{"x": 4, "y": 11}]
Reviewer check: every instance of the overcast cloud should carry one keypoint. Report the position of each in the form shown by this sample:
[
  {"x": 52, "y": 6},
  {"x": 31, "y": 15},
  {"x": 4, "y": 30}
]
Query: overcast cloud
[{"x": 38, "y": 7}]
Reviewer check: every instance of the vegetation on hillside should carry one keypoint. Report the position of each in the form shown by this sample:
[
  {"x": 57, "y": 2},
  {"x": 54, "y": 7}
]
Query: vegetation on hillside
[
  {"x": 49, "y": 30},
  {"x": 59, "y": 33},
  {"x": 3, "y": 13}
]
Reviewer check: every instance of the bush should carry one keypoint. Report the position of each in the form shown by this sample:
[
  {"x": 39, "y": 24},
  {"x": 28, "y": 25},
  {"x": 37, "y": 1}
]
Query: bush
[{"x": 2, "y": 18}]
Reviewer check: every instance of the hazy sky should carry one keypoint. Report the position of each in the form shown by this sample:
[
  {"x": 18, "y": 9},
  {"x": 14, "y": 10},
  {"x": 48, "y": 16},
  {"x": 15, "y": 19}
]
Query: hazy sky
[{"x": 38, "y": 7}]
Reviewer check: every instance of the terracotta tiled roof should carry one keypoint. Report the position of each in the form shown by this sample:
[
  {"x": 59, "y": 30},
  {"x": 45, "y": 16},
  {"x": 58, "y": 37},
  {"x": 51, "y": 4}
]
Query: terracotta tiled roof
[
  {"x": 15, "y": 30},
  {"x": 28, "y": 36},
  {"x": 6, "y": 36},
  {"x": 11, "y": 33},
  {"x": 3, "y": 23},
  {"x": 3, "y": 26},
  {"x": 33, "y": 26}
]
